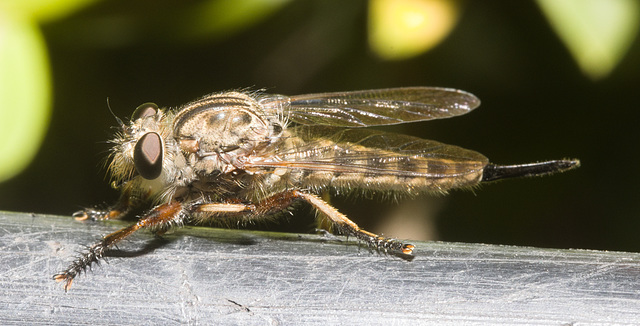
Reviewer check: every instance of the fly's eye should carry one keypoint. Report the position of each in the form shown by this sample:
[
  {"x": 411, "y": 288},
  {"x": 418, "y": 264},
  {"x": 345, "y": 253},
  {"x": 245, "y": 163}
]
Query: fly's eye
[
  {"x": 144, "y": 110},
  {"x": 147, "y": 156}
]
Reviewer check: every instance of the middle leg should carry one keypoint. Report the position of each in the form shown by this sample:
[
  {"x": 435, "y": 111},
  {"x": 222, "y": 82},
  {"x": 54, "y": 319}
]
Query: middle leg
[
  {"x": 280, "y": 202},
  {"x": 159, "y": 217}
]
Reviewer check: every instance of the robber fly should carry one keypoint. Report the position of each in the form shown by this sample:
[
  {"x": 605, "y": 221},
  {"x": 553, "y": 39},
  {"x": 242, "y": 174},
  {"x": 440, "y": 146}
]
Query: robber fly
[{"x": 244, "y": 156}]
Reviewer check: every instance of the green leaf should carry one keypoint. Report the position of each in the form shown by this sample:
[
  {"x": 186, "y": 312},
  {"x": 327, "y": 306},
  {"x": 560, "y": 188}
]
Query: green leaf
[
  {"x": 24, "y": 93},
  {"x": 400, "y": 29},
  {"x": 598, "y": 33},
  {"x": 42, "y": 10},
  {"x": 221, "y": 18}
]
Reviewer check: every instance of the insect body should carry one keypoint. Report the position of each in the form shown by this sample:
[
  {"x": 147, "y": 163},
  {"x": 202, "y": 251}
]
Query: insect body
[{"x": 242, "y": 156}]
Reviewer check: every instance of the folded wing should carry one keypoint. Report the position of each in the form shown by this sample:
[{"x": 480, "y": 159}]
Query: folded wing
[
  {"x": 373, "y": 153},
  {"x": 372, "y": 107}
]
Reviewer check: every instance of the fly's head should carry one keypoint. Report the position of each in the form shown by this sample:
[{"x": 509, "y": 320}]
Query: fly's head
[
  {"x": 144, "y": 155},
  {"x": 160, "y": 152}
]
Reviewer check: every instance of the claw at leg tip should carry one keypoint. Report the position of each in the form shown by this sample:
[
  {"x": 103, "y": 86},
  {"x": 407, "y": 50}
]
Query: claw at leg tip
[
  {"x": 408, "y": 249},
  {"x": 67, "y": 286},
  {"x": 80, "y": 215},
  {"x": 63, "y": 278}
]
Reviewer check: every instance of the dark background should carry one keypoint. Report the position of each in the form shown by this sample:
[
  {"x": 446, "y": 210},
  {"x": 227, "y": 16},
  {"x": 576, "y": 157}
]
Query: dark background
[{"x": 537, "y": 105}]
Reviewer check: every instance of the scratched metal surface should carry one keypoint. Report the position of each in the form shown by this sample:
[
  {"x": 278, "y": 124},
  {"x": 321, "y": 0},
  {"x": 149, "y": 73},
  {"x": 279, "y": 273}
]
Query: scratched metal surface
[{"x": 213, "y": 276}]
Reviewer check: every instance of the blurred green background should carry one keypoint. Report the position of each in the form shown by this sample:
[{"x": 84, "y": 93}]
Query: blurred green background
[{"x": 558, "y": 79}]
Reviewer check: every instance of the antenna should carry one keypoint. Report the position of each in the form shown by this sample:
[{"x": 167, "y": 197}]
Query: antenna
[{"x": 118, "y": 120}]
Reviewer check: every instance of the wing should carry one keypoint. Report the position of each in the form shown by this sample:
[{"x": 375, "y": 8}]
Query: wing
[
  {"x": 372, "y": 153},
  {"x": 372, "y": 107}
]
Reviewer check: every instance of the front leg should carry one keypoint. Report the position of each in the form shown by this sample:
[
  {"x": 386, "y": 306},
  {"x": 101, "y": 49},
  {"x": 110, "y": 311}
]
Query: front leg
[
  {"x": 122, "y": 207},
  {"x": 159, "y": 217}
]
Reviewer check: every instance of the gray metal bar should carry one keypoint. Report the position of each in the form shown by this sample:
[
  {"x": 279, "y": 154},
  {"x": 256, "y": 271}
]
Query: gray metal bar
[{"x": 198, "y": 275}]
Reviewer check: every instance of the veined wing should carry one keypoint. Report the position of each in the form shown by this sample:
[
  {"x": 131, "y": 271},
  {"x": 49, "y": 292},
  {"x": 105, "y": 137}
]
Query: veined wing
[
  {"x": 372, "y": 153},
  {"x": 372, "y": 107}
]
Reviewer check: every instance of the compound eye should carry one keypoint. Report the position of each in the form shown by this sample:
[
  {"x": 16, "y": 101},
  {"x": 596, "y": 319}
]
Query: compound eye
[
  {"x": 147, "y": 156},
  {"x": 144, "y": 110}
]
